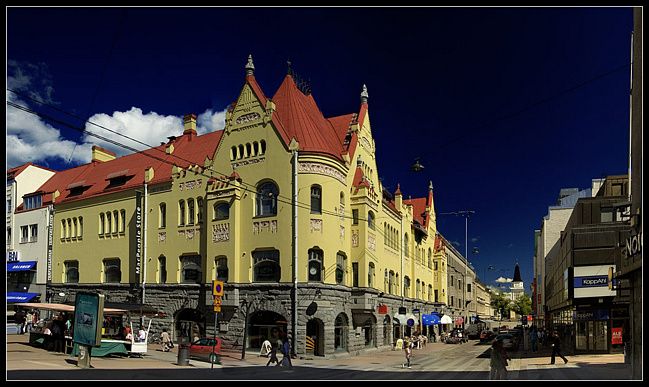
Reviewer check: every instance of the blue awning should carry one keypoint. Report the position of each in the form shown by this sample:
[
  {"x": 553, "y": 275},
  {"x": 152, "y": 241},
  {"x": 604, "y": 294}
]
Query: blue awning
[
  {"x": 430, "y": 319},
  {"x": 21, "y": 297},
  {"x": 21, "y": 266}
]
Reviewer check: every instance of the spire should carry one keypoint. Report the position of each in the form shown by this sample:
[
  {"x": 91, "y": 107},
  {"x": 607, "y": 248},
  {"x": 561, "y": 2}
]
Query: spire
[
  {"x": 289, "y": 70},
  {"x": 517, "y": 274},
  {"x": 430, "y": 185},
  {"x": 250, "y": 67},
  {"x": 398, "y": 191},
  {"x": 364, "y": 95}
]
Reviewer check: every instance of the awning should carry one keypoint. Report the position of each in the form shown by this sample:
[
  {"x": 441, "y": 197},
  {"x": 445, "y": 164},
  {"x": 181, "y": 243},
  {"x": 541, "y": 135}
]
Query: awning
[
  {"x": 21, "y": 297},
  {"x": 430, "y": 319},
  {"x": 446, "y": 320},
  {"x": 21, "y": 266},
  {"x": 399, "y": 319},
  {"x": 410, "y": 316},
  {"x": 64, "y": 307},
  {"x": 360, "y": 318}
]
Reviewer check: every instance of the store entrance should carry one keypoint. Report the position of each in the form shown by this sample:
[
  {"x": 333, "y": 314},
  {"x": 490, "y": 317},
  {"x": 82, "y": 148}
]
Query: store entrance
[{"x": 592, "y": 336}]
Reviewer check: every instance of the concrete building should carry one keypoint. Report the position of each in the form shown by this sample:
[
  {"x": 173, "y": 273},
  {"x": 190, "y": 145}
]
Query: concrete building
[
  {"x": 27, "y": 233},
  {"x": 284, "y": 205},
  {"x": 580, "y": 305}
]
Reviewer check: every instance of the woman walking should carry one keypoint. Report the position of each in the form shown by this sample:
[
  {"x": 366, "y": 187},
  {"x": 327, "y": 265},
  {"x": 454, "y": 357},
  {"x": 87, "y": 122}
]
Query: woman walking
[
  {"x": 407, "y": 348},
  {"x": 498, "y": 361}
]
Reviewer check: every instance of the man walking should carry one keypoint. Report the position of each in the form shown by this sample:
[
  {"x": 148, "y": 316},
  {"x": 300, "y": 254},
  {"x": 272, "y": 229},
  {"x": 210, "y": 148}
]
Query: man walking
[
  {"x": 556, "y": 348},
  {"x": 534, "y": 338}
]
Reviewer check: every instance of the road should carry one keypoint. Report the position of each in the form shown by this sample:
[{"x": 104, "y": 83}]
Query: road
[{"x": 436, "y": 361}]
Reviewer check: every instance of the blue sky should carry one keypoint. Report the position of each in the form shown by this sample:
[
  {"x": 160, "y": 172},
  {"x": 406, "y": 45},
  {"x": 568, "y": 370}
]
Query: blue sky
[{"x": 504, "y": 106}]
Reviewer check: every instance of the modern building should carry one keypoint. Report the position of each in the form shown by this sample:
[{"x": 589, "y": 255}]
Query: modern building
[
  {"x": 27, "y": 234},
  {"x": 580, "y": 304},
  {"x": 283, "y": 205},
  {"x": 546, "y": 241}
]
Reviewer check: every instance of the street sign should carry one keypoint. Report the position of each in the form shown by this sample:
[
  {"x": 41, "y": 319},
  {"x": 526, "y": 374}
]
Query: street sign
[
  {"x": 217, "y": 303},
  {"x": 217, "y": 288}
]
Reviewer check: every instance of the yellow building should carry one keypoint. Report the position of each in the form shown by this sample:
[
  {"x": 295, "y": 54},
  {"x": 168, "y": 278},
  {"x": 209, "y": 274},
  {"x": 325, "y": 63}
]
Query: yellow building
[{"x": 283, "y": 204}]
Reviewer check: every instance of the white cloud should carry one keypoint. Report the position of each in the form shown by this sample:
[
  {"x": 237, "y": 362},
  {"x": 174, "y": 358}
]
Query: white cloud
[
  {"x": 210, "y": 121},
  {"x": 504, "y": 280}
]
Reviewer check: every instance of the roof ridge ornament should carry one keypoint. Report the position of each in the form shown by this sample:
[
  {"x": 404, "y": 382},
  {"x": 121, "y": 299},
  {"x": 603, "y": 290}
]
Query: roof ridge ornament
[
  {"x": 430, "y": 185},
  {"x": 250, "y": 66},
  {"x": 364, "y": 95}
]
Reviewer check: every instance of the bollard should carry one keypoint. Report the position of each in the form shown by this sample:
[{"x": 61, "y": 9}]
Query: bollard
[{"x": 183, "y": 351}]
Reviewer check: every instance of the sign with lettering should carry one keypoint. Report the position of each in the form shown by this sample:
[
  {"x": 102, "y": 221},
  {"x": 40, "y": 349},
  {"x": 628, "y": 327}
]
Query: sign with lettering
[
  {"x": 138, "y": 235},
  {"x": 592, "y": 281},
  {"x": 50, "y": 241},
  {"x": 13, "y": 256},
  {"x": 616, "y": 335},
  {"x": 633, "y": 246}
]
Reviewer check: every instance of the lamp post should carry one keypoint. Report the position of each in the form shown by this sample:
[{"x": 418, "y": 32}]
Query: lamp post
[{"x": 245, "y": 307}]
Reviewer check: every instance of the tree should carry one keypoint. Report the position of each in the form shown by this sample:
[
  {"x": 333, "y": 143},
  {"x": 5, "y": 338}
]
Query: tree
[
  {"x": 523, "y": 305},
  {"x": 500, "y": 303}
]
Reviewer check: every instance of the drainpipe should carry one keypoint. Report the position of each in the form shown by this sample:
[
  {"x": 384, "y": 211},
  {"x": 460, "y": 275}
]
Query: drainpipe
[{"x": 295, "y": 252}]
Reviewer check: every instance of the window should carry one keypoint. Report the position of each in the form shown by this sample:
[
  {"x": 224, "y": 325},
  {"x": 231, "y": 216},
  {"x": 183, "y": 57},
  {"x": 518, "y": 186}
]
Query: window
[
  {"x": 430, "y": 258},
  {"x": 370, "y": 275},
  {"x": 190, "y": 211},
  {"x": 406, "y": 286},
  {"x": 24, "y": 234},
  {"x": 406, "y": 248},
  {"x": 199, "y": 204},
  {"x": 606, "y": 215},
  {"x": 221, "y": 211},
  {"x": 9, "y": 209},
  {"x": 162, "y": 269},
  {"x": 468, "y": 288},
  {"x": 190, "y": 269},
  {"x": 112, "y": 271},
  {"x": 162, "y": 215},
  {"x": 354, "y": 216},
  {"x": 355, "y": 274},
  {"x": 255, "y": 148},
  {"x": 263, "y": 147},
  {"x": 267, "y": 199},
  {"x": 430, "y": 292},
  {"x": 68, "y": 231},
  {"x": 248, "y": 150},
  {"x": 370, "y": 220},
  {"x": 221, "y": 268},
  {"x": 233, "y": 153},
  {"x": 115, "y": 221},
  {"x": 34, "y": 233},
  {"x": 391, "y": 282},
  {"x": 122, "y": 221},
  {"x": 418, "y": 289},
  {"x": 435, "y": 266},
  {"x": 108, "y": 223},
  {"x": 101, "y": 225},
  {"x": 71, "y": 272},
  {"x": 80, "y": 227},
  {"x": 31, "y": 202},
  {"x": 266, "y": 266},
  {"x": 315, "y": 264},
  {"x": 436, "y": 296},
  {"x": 452, "y": 301},
  {"x": 316, "y": 199},
  {"x": 181, "y": 213},
  {"x": 341, "y": 268},
  {"x": 8, "y": 235},
  {"x": 459, "y": 284},
  {"x": 74, "y": 227},
  {"x": 452, "y": 282},
  {"x": 241, "y": 154}
]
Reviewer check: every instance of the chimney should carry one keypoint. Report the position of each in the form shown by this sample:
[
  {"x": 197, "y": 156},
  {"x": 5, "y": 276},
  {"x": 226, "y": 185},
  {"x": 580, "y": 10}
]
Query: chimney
[
  {"x": 190, "y": 124},
  {"x": 102, "y": 155}
]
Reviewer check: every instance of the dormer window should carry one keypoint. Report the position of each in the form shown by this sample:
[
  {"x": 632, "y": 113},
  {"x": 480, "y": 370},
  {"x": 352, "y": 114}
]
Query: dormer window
[
  {"x": 34, "y": 201},
  {"x": 118, "y": 179},
  {"x": 77, "y": 188}
]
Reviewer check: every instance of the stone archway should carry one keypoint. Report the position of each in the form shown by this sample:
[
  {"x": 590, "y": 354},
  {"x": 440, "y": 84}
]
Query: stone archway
[
  {"x": 315, "y": 330},
  {"x": 265, "y": 325},
  {"x": 341, "y": 333},
  {"x": 189, "y": 323},
  {"x": 387, "y": 330}
]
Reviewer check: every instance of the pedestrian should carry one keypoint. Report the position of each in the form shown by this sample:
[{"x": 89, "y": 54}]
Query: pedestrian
[
  {"x": 407, "y": 349},
  {"x": 166, "y": 340},
  {"x": 498, "y": 361},
  {"x": 556, "y": 348},
  {"x": 141, "y": 335},
  {"x": 273, "y": 354},
  {"x": 58, "y": 336},
  {"x": 534, "y": 338},
  {"x": 286, "y": 352},
  {"x": 20, "y": 319}
]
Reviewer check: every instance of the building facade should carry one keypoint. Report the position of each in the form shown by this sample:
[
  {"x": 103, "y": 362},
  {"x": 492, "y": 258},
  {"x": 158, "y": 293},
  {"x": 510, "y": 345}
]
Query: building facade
[
  {"x": 460, "y": 276},
  {"x": 590, "y": 316},
  {"x": 284, "y": 205},
  {"x": 27, "y": 234}
]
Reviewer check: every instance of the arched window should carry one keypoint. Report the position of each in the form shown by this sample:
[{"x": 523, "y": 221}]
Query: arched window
[
  {"x": 190, "y": 211},
  {"x": 199, "y": 204},
  {"x": 74, "y": 227},
  {"x": 191, "y": 272},
  {"x": 80, "y": 227},
  {"x": 181, "y": 212},
  {"x": 109, "y": 223},
  {"x": 162, "y": 215},
  {"x": 122, "y": 223},
  {"x": 266, "y": 266},
  {"x": 315, "y": 264},
  {"x": 255, "y": 148},
  {"x": 112, "y": 271},
  {"x": 162, "y": 269},
  {"x": 370, "y": 220},
  {"x": 430, "y": 292},
  {"x": 233, "y": 153},
  {"x": 102, "y": 220},
  {"x": 267, "y": 199},
  {"x": 406, "y": 286},
  {"x": 263, "y": 147},
  {"x": 221, "y": 211},
  {"x": 370, "y": 275},
  {"x": 248, "y": 150},
  {"x": 341, "y": 327},
  {"x": 316, "y": 199},
  {"x": 221, "y": 264},
  {"x": 418, "y": 289},
  {"x": 115, "y": 221},
  {"x": 391, "y": 283},
  {"x": 241, "y": 154},
  {"x": 430, "y": 258},
  {"x": 386, "y": 289},
  {"x": 71, "y": 272},
  {"x": 341, "y": 268},
  {"x": 406, "y": 249}
]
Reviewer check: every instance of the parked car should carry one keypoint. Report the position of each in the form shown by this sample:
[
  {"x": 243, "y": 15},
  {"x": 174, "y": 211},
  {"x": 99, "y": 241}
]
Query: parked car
[
  {"x": 206, "y": 349},
  {"x": 487, "y": 335},
  {"x": 472, "y": 331},
  {"x": 508, "y": 341}
]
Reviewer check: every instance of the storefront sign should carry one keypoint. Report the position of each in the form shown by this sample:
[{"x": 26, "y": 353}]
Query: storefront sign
[
  {"x": 138, "y": 234},
  {"x": 593, "y": 314},
  {"x": 592, "y": 281},
  {"x": 383, "y": 309},
  {"x": 50, "y": 239},
  {"x": 13, "y": 256},
  {"x": 633, "y": 246},
  {"x": 616, "y": 335}
]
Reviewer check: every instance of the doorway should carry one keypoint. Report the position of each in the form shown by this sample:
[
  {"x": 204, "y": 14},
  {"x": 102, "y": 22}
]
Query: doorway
[
  {"x": 592, "y": 336},
  {"x": 315, "y": 330}
]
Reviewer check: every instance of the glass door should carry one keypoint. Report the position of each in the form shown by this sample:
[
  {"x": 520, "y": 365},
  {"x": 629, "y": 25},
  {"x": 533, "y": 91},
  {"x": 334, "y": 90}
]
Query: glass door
[
  {"x": 581, "y": 336},
  {"x": 601, "y": 336}
]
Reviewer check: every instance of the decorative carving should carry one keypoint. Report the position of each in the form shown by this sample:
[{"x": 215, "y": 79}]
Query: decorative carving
[
  {"x": 321, "y": 169},
  {"x": 316, "y": 225},
  {"x": 342, "y": 232},
  {"x": 354, "y": 238},
  {"x": 189, "y": 234},
  {"x": 220, "y": 232},
  {"x": 190, "y": 185},
  {"x": 241, "y": 163},
  {"x": 365, "y": 143},
  {"x": 371, "y": 241},
  {"x": 162, "y": 236},
  {"x": 254, "y": 116},
  {"x": 268, "y": 225}
]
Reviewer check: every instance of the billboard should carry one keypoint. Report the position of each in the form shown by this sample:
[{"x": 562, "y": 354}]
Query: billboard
[
  {"x": 592, "y": 281},
  {"x": 88, "y": 319}
]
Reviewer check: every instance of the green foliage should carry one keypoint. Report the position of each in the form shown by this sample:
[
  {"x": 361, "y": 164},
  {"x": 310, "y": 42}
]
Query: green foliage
[
  {"x": 501, "y": 303},
  {"x": 523, "y": 305}
]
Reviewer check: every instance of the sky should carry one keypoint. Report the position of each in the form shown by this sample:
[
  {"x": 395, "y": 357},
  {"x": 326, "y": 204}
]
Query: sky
[{"x": 502, "y": 106}]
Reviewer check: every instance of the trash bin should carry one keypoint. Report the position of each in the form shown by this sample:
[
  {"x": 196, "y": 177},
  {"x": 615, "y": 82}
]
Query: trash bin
[{"x": 183, "y": 351}]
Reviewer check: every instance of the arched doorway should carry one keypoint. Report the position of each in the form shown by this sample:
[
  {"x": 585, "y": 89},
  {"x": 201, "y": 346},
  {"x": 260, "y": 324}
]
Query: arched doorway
[
  {"x": 189, "y": 323},
  {"x": 387, "y": 324},
  {"x": 341, "y": 329},
  {"x": 315, "y": 330},
  {"x": 265, "y": 325},
  {"x": 369, "y": 329}
]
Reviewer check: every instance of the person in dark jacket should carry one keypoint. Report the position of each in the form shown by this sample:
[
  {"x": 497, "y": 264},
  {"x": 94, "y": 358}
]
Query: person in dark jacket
[{"x": 556, "y": 348}]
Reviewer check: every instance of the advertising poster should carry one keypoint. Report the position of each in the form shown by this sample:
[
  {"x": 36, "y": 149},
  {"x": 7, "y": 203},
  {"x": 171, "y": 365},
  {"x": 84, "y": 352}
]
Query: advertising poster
[
  {"x": 616, "y": 335},
  {"x": 88, "y": 319}
]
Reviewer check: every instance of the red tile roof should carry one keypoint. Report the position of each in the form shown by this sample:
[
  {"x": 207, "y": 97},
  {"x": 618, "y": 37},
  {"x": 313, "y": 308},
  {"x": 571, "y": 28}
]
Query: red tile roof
[
  {"x": 304, "y": 121},
  {"x": 418, "y": 208},
  {"x": 189, "y": 149},
  {"x": 359, "y": 179}
]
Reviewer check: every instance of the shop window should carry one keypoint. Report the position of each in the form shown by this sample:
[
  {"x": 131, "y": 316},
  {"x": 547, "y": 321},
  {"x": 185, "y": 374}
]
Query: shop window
[{"x": 266, "y": 266}]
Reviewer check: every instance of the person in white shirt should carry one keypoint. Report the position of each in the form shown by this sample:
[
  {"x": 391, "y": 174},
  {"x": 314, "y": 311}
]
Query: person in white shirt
[{"x": 141, "y": 335}]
